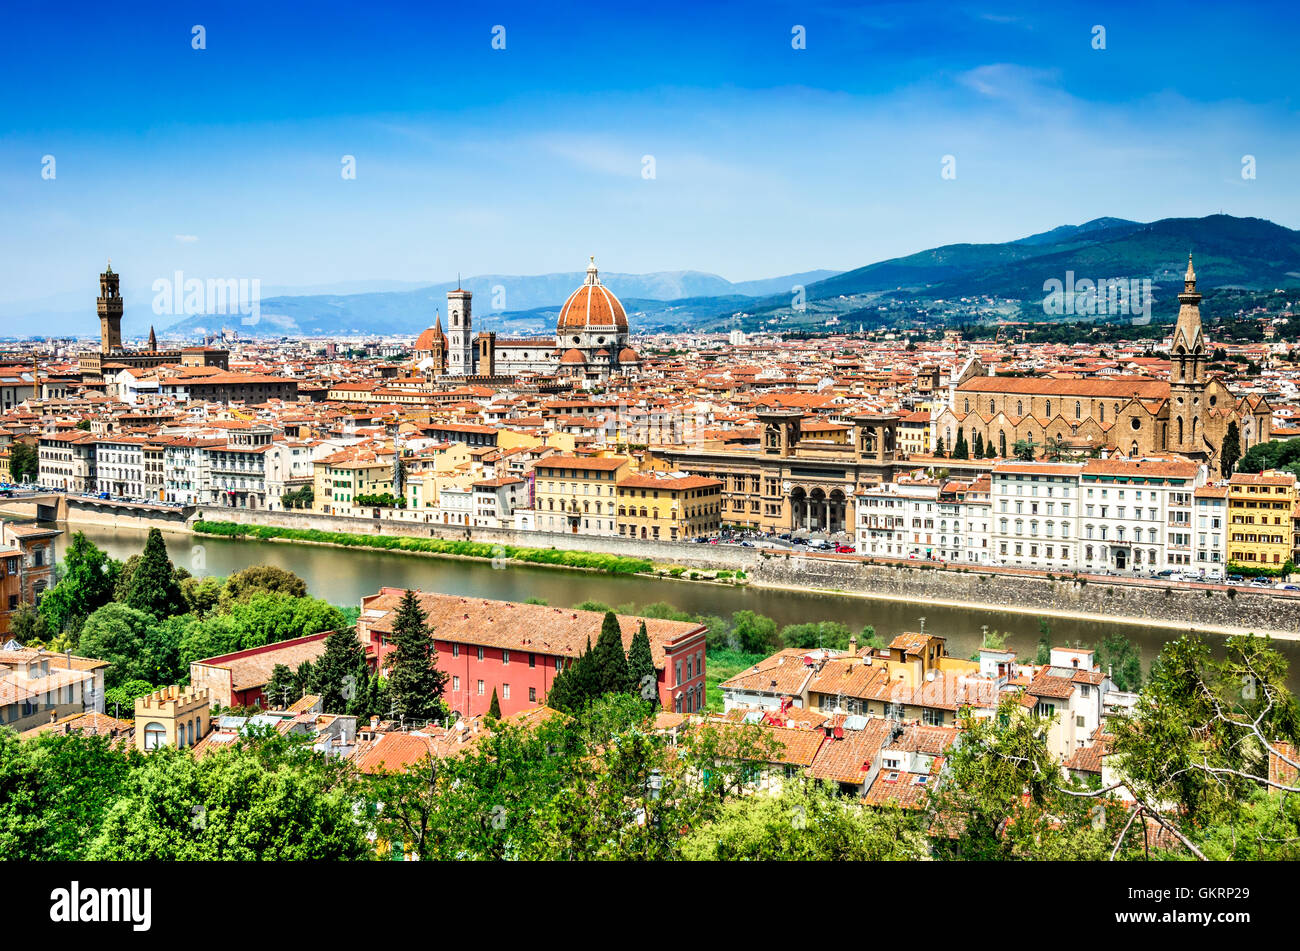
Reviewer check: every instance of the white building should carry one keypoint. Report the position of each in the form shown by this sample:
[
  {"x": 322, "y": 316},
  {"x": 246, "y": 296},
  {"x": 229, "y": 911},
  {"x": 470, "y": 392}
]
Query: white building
[
  {"x": 1136, "y": 515},
  {"x": 1034, "y": 515},
  {"x": 119, "y": 467},
  {"x": 1210, "y": 538}
]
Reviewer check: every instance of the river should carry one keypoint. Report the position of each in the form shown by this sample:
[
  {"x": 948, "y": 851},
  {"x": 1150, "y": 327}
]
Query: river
[{"x": 343, "y": 576}]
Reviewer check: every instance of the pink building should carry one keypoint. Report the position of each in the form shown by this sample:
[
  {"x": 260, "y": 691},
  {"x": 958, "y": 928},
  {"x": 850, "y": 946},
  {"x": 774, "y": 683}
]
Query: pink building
[{"x": 517, "y": 649}]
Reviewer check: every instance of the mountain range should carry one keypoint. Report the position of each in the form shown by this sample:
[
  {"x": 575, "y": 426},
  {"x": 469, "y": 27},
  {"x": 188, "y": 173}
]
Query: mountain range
[{"x": 1005, "y": 278}]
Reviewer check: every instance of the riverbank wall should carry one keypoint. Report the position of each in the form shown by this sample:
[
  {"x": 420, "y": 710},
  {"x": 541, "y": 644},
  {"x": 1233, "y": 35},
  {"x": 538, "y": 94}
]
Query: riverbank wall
[
  {"x": 1131, "y": 601},
  {"x": 1136, "y": 601}
]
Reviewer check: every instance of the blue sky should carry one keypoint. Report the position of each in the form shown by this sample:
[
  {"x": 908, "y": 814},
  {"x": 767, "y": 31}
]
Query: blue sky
[{"x": 225, "y": 162}]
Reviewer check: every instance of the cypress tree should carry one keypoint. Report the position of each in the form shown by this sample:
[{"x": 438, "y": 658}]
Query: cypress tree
[
  {"x": 281, "y": 689},
  {"x": 415, "y": 683},
  {"x": 331, "y": 672},
  {"x": 152, "y": 586},
  {"x": 977, "y": 446},
  {"x": 560, "y": 696},
  {"x": 641, "y": 666},
  {"x": 494, "y": 708},
  {"x": 610, "y": 663},
  {"x": 960, "y": 449},
  {"x": 1230, "y": 450}
]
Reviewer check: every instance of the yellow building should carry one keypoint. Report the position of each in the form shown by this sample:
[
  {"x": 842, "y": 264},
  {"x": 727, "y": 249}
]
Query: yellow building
[
  {"x": 578, "y": 494},
  {"x": 342, "y": 477},
  {"x": 669, "y": 507},
  {"x": 172, "y": 716},
  {"x": 1260, "y": 507}
]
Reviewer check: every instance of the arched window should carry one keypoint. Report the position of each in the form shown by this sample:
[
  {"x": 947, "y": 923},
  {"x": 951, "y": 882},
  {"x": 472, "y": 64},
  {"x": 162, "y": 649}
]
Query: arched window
[
  {"x": 1048, "y": 414},
  {"x": 1078, "y": 410},
  {"x": 1020, "y": 408},
  {"x": 155, "y": 736}
]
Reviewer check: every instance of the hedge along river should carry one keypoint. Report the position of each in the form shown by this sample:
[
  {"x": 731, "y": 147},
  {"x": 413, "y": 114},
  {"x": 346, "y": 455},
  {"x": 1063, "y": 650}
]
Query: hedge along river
[{"x": 344, "y": 576}]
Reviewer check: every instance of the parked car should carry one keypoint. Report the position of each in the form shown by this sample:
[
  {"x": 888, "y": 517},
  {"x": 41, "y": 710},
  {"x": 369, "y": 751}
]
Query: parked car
[{"x": 844, "y": 549}]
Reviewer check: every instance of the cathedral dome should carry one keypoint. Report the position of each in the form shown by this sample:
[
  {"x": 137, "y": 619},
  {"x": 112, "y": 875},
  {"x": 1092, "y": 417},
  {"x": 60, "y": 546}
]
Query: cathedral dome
[
  {"x": 431, "y": 336},
  {"x": 573, "y": 356},
  {"x": 592, "y": 306},
  {"x": 628, "y": 355}
]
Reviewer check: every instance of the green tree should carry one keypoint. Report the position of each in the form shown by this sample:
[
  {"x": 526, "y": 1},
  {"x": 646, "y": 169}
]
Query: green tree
[
  {"x": 494, "y": 708},
  {"x": 611, "y": 670},
  {"x": 1119, "y": 657},
  {"x": 754, "y": 633},
  {"x": 977, "y": 445},
  {"x": 641, "y": 667},
  {"x": 202, "y": 595},
  {"x": 55, "y": 791},
  {"x": 1024, "y": 449},
  {"x": 415, "y": 684},
  {"x": 132, "y": 642},
  {"x": 1230, "y": 448},
  {"x": 960, "y": 449},
  {"x": 829, "y": 634},
  {"x": 27, "y": 625},
  {"x": 339, "y": 673},
  {"x": 261, "y": 579},
  {"x": 282, "y": 689},
  {"x": 264, "y": 798},
  {"x": 119, "y": 701},
  {"x": 805, "y": 823},
  {"x": 152, "y": 585},
  {"x": 1203, "y": 729},
  {"x": 24, "y": 462},
  {"x": 86, "y": 582}
]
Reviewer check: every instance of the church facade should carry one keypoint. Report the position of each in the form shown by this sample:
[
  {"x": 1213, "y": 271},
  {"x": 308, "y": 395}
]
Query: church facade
[
  {"x": 1188, "y": 414},
  {"x": 590, "y": 342}
]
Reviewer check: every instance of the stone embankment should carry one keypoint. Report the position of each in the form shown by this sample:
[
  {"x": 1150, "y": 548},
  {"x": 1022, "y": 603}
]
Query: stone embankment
[{"x": 1131, "y": 600}]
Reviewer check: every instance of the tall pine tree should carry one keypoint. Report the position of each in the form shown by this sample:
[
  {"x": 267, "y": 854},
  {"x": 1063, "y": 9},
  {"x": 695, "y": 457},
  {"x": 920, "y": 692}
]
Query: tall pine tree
[
  {"x": 152, "y": 586},
  {"x": 611, "y": 673},
  {"x": 494, "y": 708},
  {"x": 415, "y": 684},
  {"x": 1230, "y": 449},
  {"x": 334, "y": 676},
  {"x": 641, "y": 667}
]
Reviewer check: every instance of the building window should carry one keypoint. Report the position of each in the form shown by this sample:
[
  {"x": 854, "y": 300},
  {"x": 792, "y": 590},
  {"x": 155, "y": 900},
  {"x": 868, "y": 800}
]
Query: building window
[
  {"x": 480, "y": 688},
  {"x": 480, "y": 654},
  {"x": 155, "y": 736},
  {"x": 505, "y": 691}
]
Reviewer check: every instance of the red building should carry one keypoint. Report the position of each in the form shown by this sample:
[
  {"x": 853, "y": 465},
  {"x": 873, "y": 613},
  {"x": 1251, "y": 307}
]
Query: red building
[{"x": 517, "y": 649}]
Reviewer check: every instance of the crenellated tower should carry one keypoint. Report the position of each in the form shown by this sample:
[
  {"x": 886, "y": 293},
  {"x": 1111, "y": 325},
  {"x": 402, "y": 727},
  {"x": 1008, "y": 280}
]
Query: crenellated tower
[{"x": 109, "y": 306}]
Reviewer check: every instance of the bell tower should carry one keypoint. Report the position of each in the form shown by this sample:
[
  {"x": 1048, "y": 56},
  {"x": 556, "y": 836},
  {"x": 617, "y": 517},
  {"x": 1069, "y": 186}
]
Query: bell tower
[
  {"x": 460, "y": 343},
  {"x": 1187, "y": 373},
  {"x": 109, "y": 306}
]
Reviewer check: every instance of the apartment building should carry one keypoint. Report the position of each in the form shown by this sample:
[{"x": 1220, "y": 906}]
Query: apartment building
[
  {"x": 1136, "y": 514},
  {"x": 343, "y": 476},
  {"x": 66, "y": 461},
  {"x": 1211, "y": 531},
  {"x": 494, "y": 501},
  {"x": 1260, "y": 506},
  {"x": 578, "y": 494},
  {"x": 1070, "y": 689},
  {"x": 668, "y": 506},
  {"x": 119, "y": 467},
  {"x": 1035, "y": 514}
]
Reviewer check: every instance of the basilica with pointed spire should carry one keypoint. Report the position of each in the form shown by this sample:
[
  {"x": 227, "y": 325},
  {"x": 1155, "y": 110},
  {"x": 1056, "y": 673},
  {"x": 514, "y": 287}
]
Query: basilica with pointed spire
[{"x": 1118, "y": 416}]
